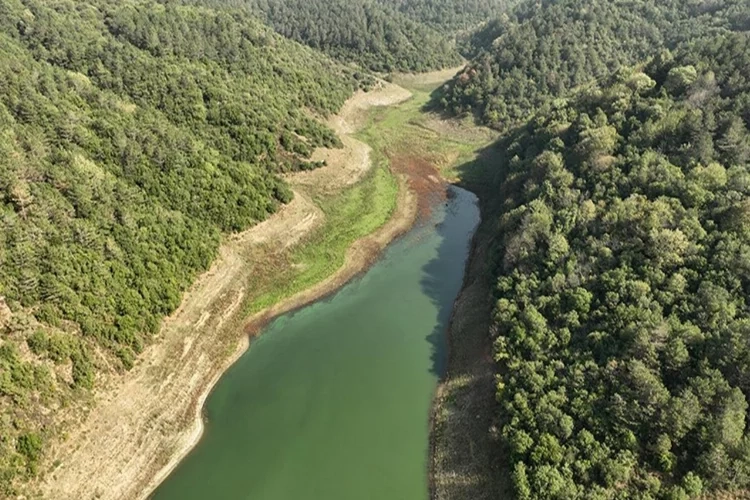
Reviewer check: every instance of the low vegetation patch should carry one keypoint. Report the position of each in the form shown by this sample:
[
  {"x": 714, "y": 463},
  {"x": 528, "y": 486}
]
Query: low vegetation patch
[{"x": 349, "y": 216}]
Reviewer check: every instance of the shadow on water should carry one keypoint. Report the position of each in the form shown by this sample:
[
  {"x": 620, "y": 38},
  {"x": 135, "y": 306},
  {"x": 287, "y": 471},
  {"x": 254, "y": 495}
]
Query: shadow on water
[
  {"x": 477, "y": 179},
  {"x": 473, "y": 466},
  {"x": 442, "y": 275}
]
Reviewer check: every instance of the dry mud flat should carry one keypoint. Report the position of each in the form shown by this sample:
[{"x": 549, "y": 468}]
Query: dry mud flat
[{"x": 143, "y": 422}]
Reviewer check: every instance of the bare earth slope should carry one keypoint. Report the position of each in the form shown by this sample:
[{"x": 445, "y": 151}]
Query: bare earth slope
[{"x": 145, "y": 421}]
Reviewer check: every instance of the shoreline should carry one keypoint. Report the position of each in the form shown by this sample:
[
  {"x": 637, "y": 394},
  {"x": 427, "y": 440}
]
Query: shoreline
[
  {"x": 437, "y": 396},
  {"x": 412, "y": 198},
  {"x": 359, "y": 258},
  {"x": 143, "y": 423},
  {"x": 462, "y": 447}
]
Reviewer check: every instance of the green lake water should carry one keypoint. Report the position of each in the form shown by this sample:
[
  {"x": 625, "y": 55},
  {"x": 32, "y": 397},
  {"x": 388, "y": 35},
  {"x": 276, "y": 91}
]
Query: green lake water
[{"x": 332, "y": 401}]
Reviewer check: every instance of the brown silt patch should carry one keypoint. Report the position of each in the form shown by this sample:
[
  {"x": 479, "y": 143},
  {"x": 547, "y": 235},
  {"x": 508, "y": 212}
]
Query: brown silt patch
[{"x": 424, "y": 181}]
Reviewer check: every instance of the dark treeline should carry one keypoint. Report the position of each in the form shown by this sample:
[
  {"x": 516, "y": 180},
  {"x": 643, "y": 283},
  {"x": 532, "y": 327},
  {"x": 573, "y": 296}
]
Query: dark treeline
[
  {"x": 450, "y": 14},
  {"x": 132, "y": 135},
  {"x": 621, "y": 321},
  {"x": 542, "y": 50},
  {"x": 372, "y": 33},
  {"x": 365, "y": 32}
]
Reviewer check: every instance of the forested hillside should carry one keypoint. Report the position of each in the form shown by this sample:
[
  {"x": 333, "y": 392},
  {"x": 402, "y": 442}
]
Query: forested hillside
[
  {"x": 450, "y": 14},
  {"x": 621, "y": 323},
  {"x": 542, "y": 50},
  {"x": 132, "y": 136},
  {"x": 370, "y": 33}
]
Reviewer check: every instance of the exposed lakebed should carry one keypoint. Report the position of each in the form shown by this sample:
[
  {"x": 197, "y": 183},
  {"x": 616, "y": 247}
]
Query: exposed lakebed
[{"x": 332, "y": 401}]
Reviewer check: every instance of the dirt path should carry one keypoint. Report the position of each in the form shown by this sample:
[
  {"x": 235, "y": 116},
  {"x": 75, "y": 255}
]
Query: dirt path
[{"x": 146, "y": 420}]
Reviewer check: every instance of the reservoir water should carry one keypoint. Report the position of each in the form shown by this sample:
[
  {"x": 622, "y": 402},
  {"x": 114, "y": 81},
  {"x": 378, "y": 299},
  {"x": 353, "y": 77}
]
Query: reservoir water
[{"x": 332, "y": 401}]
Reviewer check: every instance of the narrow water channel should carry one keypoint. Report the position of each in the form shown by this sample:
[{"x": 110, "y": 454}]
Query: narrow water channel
[{"x": 332, "y": 401}]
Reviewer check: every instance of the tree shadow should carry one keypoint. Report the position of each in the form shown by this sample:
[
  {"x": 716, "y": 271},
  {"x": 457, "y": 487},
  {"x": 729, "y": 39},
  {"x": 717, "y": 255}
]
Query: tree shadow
[
  {"x": 443, "y": 276},
  {"x": 472, "y": 464},
  {"x": 437, "y": 106}
]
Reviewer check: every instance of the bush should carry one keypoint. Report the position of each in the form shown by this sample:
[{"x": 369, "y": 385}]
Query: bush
[{"x": 29, "y": 445}]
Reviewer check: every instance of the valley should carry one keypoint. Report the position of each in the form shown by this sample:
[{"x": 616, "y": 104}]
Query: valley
[
  {"x": 374, "y": 249},
  {"x": 342, "y": 216}
]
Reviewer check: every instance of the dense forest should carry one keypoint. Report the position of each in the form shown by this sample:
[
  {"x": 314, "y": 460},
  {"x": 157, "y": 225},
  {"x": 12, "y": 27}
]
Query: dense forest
[
  {"x": 621, "y": 321},
  {"x": 132, "y": 136},
  {"x": 373, "y": 34},
  {"x": 542, "y": 50},
  {"x": 450, "y": 14},
  {"x": 380, "y": 35}
]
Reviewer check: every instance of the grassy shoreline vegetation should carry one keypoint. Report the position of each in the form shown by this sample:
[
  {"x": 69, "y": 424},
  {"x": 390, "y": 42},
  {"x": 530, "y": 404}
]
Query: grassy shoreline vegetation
[
  {"x": 209, "y": 331},
  {"x": 463, "y": 451},
  {"x": 282, "y": 278},
  {"x": 408, "y": 129},
  {"x": 135, "y": 136},
  {"x": 391, "y": 132},
  {"x": 350, "y": 215},
  {"x": 610, "y": 271}
]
